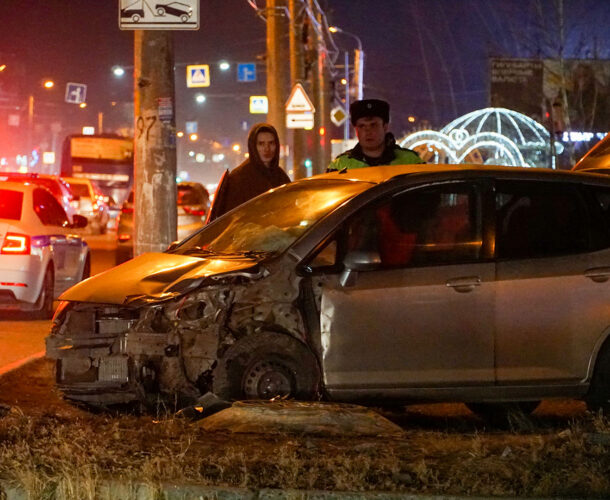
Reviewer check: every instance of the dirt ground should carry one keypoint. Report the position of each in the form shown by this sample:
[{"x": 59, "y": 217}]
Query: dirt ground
[{"x": 48, "y": 445}]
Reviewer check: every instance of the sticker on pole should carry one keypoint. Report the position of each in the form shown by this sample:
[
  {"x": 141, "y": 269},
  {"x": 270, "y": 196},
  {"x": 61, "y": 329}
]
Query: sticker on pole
[
  {"x": 299, "y": 102},
  {"x": 158, "y": 15}
]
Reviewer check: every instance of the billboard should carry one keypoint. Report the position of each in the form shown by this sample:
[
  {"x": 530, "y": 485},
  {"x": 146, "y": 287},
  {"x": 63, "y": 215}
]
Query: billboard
[
  {"x": 587, "y": 86},
  {"x": 517, "y": 84},
  {"x": 535, "y": 87}
]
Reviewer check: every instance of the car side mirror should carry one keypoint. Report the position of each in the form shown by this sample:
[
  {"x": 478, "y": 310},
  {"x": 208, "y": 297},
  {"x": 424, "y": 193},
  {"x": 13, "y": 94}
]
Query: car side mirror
[
  {"x": 79, "y": 221},
  {"x": 359, "y": 260},
  {"x": 356, "y": 261},
  {"x": 172, "y": 246}
]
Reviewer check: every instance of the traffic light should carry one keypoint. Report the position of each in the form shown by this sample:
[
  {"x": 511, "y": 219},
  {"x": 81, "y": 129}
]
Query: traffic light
[{"x": 308, "y": 163}]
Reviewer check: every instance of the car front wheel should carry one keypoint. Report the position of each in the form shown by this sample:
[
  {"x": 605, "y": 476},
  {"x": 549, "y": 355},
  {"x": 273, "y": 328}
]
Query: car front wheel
[
  {"x": 267, "y": 366},
  {"x": 135, "y": 18}
]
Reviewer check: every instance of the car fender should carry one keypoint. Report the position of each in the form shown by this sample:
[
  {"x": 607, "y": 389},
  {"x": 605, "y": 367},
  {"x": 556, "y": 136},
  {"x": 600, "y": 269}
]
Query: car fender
[{"x": 602, "y": 342}]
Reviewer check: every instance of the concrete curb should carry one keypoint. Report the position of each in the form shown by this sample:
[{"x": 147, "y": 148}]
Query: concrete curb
[
  {"x": 20, "y": 362},
  {"x": 112, "y": 490}
]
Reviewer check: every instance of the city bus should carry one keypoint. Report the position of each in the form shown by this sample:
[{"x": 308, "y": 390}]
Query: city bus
[{"x": 106, "y": 159}]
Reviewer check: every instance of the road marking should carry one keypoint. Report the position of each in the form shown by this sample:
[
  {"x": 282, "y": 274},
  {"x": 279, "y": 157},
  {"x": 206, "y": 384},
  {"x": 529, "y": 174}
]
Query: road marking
[{"x": 19, "y": 363}]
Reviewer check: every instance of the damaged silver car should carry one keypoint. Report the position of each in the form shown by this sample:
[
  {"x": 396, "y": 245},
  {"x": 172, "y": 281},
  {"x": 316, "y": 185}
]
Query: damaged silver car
[{"x": 484, "y": 285}]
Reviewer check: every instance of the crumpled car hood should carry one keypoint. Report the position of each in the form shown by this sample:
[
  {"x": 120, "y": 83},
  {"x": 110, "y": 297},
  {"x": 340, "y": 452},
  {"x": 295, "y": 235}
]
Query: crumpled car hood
[{"x": 153, "y": 275}]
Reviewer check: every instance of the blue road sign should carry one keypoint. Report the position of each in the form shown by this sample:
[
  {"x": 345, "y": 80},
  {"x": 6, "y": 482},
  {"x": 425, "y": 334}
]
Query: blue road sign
[
  {"x": 76, "y": 93},
  {"x": 246, "y": 72},
  {"x": 191, "y": 127}
]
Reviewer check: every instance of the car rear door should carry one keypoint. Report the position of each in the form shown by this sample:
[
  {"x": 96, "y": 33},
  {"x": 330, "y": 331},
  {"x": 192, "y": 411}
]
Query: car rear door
[
  {"x": 552, "y": 291},
  {"x": 67, "y": 248},
  {"x": 423, "y": 314}
]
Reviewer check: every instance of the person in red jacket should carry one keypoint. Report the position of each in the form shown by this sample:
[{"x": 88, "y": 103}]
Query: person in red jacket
[{"x": 259, "y": 173}]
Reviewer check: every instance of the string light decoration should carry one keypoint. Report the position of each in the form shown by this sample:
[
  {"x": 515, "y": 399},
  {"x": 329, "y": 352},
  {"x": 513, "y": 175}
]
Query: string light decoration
[{"x": 495, "y": 136}]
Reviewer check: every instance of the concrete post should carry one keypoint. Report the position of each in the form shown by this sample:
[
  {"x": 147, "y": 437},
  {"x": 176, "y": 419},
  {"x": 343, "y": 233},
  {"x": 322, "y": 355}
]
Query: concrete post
[
  {"x": 154, "y": 142},
  {"x": 296, "y": 76},
  {"x": 277, "y": 66}
]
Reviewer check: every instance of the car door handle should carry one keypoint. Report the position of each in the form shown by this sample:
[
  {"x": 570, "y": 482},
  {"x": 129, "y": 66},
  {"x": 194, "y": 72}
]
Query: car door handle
[
  {"x": 464, "y": 285},
  {"x": 598, "y": 274}
]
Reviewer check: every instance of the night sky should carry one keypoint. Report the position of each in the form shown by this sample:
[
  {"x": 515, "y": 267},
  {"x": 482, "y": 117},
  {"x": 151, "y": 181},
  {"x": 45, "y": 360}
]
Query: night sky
[{"x": 429, "y": 58}]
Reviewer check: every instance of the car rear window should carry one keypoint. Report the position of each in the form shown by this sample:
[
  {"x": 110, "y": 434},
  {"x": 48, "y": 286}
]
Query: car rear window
[
  {"x": 50, "y": 185},
  {"x": 10, "y": 204},
  {"x": 81, "y": 190},
  {"x": 190, "y": 195}
]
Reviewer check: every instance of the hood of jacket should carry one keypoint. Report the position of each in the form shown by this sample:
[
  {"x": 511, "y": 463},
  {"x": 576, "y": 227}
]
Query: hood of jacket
[{"x": 253, "y": 152}]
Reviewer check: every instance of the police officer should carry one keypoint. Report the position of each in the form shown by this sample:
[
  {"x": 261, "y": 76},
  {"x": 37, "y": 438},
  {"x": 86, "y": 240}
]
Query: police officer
[{"x": 376, "y": 145}]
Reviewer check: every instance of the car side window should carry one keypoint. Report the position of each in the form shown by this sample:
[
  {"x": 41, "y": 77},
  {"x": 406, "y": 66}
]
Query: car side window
[
  {"x": 48, "y": 209},
  {"x": 539, "y": 219},
  {"x": 426, "y": 226},
  {"x": 600, "y": 220}
]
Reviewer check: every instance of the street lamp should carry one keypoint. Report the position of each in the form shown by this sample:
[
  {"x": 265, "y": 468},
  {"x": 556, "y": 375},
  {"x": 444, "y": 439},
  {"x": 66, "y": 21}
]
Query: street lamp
[{"x": 118, "y": 71}]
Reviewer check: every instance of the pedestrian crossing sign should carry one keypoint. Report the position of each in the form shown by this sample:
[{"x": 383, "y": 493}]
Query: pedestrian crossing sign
[{"x": 198, "y": 75}]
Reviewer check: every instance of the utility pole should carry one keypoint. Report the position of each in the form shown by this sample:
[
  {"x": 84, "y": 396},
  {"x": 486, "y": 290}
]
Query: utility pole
[
  {"x": 154, "y": 141},
  {"x": 296, "y": 76},
  {"x": 320, "y": 89},
  {"x": 277, "y": 69},
  {"x": 323, "y": 104}
]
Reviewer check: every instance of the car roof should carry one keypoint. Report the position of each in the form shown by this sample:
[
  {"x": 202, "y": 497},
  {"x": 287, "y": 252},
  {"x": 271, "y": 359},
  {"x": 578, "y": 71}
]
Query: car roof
[
  {"x": 19, "y": 186},
  {"x": 77, "y": 180},
  {"x": 385, "y": 173}
]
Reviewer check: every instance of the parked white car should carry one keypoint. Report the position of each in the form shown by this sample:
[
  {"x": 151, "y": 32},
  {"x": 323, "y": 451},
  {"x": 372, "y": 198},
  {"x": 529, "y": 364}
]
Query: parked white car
[{"x": 39, "y": 256}]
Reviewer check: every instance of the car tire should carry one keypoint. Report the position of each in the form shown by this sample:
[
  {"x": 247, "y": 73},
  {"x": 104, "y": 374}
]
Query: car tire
[
  {"x": 265, "y": 366},
  {"x": 505, "y": 414},
  {"x": 184, "y": 18},
  {"x": 598, "y": 397},
  {"x": 160, "y": 11},
  {"x": 135, "y": 18},
  {"x": 44, "y": 302}
]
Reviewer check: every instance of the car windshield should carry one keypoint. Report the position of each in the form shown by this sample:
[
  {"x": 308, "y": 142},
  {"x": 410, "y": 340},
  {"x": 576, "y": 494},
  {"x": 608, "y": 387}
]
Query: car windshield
[
  {"x": 10, "y": 204},
  {"x": 273, "y": 221}
]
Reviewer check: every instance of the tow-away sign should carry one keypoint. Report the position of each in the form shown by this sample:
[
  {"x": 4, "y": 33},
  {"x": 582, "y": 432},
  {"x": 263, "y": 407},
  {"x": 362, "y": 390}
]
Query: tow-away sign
[{"x": 158, "y": 15}]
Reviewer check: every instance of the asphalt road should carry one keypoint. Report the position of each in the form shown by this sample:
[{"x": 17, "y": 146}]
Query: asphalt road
[{"x": 21, "y": 339}]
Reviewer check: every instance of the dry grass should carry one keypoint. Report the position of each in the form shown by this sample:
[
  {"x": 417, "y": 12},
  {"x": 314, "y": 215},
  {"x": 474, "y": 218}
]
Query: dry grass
[{"x": 52, "y": 449}]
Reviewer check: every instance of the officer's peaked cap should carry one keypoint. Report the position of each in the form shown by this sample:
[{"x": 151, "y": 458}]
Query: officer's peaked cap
[{"x": 369, "y": 107}]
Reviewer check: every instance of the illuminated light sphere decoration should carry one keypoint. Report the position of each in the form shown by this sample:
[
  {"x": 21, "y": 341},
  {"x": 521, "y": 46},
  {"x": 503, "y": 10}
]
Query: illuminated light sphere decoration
[{"x": 495, "y": 136}]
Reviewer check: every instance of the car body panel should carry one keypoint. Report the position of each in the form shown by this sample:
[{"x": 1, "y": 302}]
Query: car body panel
[
  {"x": 58, "y": 187},
  {"x": 151, "y": 275},
  {"x": 413, "y": 301},
  {"x": 477, "y": 328},
  {"x": 597, "y": 159},
  {"x": 89, "y": 203},
  {"x": 51, "y": 245}
]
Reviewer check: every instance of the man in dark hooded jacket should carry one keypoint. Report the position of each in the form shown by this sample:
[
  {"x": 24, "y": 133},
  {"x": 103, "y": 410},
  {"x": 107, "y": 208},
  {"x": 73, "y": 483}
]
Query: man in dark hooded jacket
[{"x": 259, "y": 173}]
